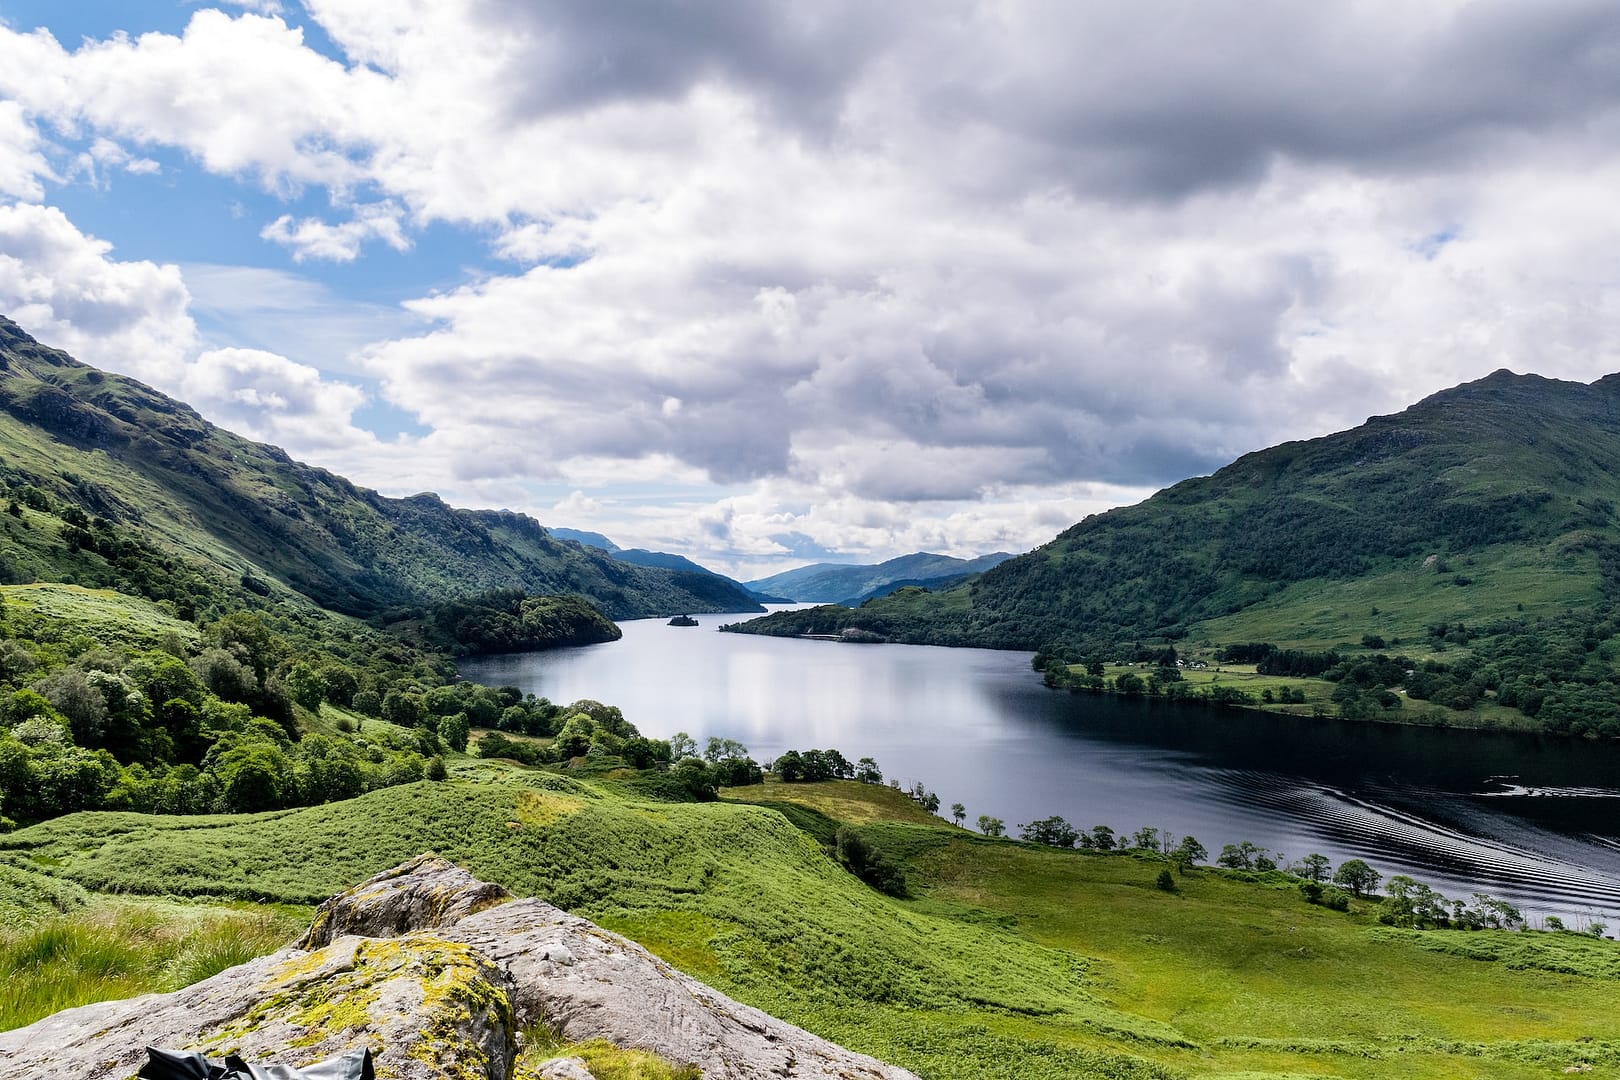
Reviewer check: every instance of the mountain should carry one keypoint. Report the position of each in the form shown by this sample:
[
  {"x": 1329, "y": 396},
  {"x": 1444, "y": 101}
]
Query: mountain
[
  {"x": 580, "y": 536},
  {"x": 1480, "y": 510},
  {"x": 838, "y": 583},
  {"x": 660, "y": 559},
  {"x": 157, "y": 501},
  {"x": 666, "y": 561}
]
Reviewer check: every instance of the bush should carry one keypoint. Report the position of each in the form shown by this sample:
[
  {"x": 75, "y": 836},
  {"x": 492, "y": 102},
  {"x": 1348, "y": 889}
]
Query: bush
[
  {"x": 1166, "y": 881},
  {"x": 866, "y": 863}
]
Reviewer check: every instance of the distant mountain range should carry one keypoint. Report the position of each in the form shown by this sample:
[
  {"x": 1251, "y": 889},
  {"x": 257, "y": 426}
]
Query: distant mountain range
[
  {"x": 661, "y": 559},
  {"x": 152, "y": 499},
  {"x": 852, "y": 584}
]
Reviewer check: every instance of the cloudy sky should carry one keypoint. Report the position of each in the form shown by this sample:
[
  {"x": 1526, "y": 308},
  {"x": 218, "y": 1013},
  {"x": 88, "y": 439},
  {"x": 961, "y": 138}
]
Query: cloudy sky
[{"x": 768, "y": 282}]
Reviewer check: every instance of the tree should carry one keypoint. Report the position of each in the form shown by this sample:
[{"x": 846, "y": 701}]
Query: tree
[
  {"x": 71, "y": 694},
  {"x": 1145, "y": 839},
  {"x": 696, "y": 778},
  {"x": 1187, "y": 853},
  {"x": 454, "y": 729},
  {"x": 682, "y": 745},
  {"x": 1314, "y": 866},
  {"x": 1165, "y": 881},
  {"x": 253, "y": 775},
  {"x": 992, "y": 826},
  {"x": 867, "y": 771},
  {"x": 930, "y": 803},
  {"x": 1102, "y": 838},
  {"x": 719, "y": 750},
  {"x": 404, "y": 709},
  {"x": 958, "y": 812},
  {"x": 307, "y": 686},
  {"x": 1054, "y": 831},
  {"x": 866, "y": 863},
  {"x": 574, "y": 738},
  {"x": 1357, "y": 876},
  {"x": 1245, "y": 856}
]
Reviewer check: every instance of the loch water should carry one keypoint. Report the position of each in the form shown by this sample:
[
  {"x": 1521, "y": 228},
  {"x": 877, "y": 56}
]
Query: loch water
[{"x": 1530, "y": 819}]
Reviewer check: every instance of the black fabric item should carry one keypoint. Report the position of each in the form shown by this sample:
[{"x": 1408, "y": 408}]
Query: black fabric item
[{"x": 190, "y": 1065}]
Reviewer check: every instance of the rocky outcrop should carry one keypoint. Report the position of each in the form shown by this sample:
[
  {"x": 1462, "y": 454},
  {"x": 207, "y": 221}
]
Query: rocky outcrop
[
  {"x": 422, "y": 894},
  {"x": 429, "y": 967}
]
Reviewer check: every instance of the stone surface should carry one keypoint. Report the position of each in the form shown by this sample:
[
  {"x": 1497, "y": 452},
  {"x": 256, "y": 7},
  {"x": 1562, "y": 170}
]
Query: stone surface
[
  {"x": 442, "y": 999},
  {"x": 565, "y": 1069},
  {"x": 426, "y": 892}
]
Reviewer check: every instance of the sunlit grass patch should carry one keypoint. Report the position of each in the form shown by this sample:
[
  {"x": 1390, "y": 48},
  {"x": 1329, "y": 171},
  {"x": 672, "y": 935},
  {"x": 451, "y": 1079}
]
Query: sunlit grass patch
[{"x": 117, "y": 949}]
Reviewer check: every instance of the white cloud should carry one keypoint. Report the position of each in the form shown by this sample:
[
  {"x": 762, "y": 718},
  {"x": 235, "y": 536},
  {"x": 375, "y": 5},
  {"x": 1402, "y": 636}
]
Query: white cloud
[
  {"x": 133, "y": 317},
  {"x": 901, "y": 275},
  {"x": 270, "y": 398},
  {"x": 22, "y": 161},
  {"x": 63, "y": 287},
  {"x": 311, "y": 238}
]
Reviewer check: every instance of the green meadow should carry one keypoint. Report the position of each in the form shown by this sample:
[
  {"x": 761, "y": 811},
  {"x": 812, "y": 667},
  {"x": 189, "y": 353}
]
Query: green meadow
[{"x": 1005, "y": 959}]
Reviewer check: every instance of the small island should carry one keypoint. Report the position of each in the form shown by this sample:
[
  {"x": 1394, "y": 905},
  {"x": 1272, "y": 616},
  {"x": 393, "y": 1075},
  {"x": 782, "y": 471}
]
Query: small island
[{"x": 683, "y": 620}]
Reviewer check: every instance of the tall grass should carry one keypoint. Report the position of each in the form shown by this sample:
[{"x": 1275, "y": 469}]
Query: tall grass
[{"x": 119, "y": 949}]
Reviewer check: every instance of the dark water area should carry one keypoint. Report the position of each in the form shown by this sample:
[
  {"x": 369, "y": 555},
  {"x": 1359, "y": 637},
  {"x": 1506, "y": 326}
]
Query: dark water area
[{"x": 1532, "y": 820}]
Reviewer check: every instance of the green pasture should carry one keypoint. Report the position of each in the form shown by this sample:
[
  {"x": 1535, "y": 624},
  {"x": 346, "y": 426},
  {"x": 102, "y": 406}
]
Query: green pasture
[{"x": 1006, "y": 961}]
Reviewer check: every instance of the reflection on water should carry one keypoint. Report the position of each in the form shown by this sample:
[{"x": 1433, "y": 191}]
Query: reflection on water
[{"x": 1533, "y": 820}]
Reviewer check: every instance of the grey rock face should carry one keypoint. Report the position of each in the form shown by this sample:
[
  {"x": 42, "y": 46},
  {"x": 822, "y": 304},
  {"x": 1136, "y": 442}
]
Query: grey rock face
[
  {"x": 438, "y": 990},
  {"x": 418, "y": 895}
]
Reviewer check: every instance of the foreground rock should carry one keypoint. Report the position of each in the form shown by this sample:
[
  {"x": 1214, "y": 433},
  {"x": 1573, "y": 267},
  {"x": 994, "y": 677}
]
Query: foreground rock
[{"x": 432, "y": 970}]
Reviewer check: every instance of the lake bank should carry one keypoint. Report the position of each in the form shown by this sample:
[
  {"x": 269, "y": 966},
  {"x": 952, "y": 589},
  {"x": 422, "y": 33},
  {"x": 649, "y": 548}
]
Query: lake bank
[{"x": 978, "y": 727}]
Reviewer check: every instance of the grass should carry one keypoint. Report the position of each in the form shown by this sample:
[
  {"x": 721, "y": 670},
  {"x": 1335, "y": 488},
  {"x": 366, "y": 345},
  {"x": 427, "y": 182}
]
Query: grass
[
  {"x": 851, "y": 804},
  {"x": 118, "y": 948},
  {"x": 1010, "y": 960},
  {"x": 1399, "y": 601},
  {"x": 604, "y": 1060},
  {"x": 110, "y": 617}
]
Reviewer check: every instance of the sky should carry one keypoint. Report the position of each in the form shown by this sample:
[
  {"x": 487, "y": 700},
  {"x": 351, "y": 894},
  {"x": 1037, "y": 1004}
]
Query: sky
[{"x": 766, "y": 282}]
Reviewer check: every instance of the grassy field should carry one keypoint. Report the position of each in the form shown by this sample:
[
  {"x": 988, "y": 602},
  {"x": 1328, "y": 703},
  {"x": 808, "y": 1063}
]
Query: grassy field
[
  {"x": 109, "y": 617},
  {"x": 1399, "y": 601},
  {"x": 62, "y": 946},
  {"x": 1006, "y": 961}
]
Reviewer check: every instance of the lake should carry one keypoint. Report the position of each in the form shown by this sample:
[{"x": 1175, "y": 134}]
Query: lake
[{"x": 1532, "y": 820}]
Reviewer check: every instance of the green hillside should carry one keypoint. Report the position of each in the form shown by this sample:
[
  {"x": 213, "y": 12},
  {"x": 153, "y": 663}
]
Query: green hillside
[
  {"x": 1476, "y": 528},
  {"x": 1007, "y": 960},
  {"x": 154, "y": 500}
]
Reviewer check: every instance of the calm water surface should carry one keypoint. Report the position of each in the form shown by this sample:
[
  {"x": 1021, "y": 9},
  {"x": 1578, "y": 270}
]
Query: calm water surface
[{"x": 1532, "y": 820}]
